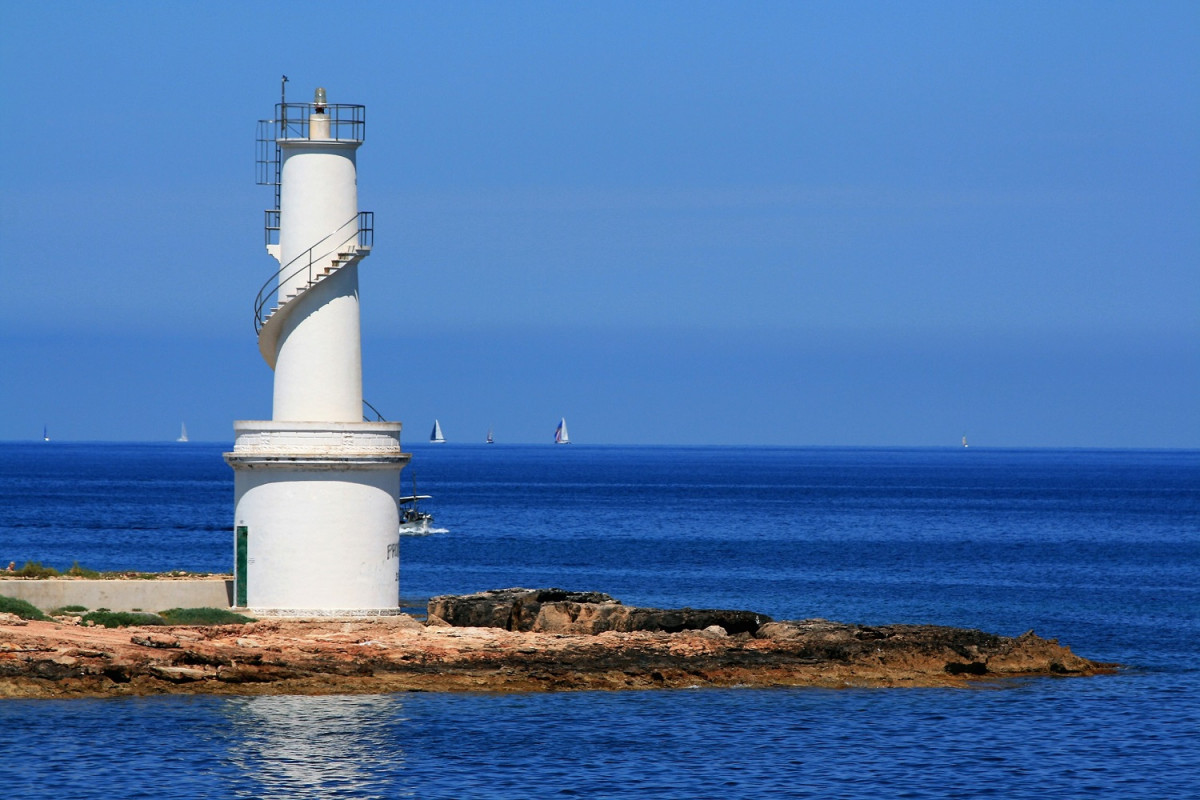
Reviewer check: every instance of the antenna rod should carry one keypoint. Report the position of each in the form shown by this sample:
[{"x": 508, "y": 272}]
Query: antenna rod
[{"x": 282, "y": 121}]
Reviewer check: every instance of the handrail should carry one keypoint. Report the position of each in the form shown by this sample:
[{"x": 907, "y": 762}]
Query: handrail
[
  {"x": 293, "y": 123},
  {"x": 271, "y": 226},
  {"x": 365, "y": 236},
  {"x": 375, "y": 411},
  {"x": 347, "y": 121}
]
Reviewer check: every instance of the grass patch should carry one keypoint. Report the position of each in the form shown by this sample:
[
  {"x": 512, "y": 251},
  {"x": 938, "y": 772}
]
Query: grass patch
[
  {"x": 175, "y": 616},
  {"x": 203, "y": 616},
  {"x": 77, "y": 571},
  {"x": 74, "y": 611},
  {"x": 11, "y": 605},
  {"x": 121, "y": 619},
  {"x": 34, "y": 569}
]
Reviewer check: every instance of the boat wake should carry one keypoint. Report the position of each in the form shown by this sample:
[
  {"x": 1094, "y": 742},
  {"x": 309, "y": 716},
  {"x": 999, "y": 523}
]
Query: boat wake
[{"x": 426, "y": 532}]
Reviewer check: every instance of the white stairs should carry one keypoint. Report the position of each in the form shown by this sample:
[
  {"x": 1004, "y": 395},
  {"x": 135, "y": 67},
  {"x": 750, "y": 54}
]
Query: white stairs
[{"x": 272, "y": 323}]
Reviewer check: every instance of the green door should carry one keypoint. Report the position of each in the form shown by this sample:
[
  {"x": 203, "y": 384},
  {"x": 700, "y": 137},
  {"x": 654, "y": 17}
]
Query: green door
[{"x": 243, "y": 534}]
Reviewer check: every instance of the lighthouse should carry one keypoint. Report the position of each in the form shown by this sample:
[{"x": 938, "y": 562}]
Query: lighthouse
[{"x": 316, "y": 515}]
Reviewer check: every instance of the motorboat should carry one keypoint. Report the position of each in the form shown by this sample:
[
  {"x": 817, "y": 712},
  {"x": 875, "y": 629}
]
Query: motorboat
[{"x": 413, "y": 521}]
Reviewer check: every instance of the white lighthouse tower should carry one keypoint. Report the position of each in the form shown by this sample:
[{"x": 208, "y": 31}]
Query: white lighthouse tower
[{"x": 316, "y": 486}]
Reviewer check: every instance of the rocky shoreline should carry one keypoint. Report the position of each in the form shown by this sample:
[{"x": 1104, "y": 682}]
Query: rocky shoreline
[{"x": 512, "y": 640}]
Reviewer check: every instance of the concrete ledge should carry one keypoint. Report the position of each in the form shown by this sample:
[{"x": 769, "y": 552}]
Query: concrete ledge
[{"x": 122, "y": 595}]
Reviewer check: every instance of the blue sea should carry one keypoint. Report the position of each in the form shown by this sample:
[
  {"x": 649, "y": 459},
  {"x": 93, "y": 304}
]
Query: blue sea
[{"x": 1097, "y": 548}]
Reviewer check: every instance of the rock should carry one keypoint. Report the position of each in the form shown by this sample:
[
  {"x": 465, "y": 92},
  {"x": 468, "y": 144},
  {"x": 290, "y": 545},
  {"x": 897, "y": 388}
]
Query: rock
[
  {"x": 807, "y": 629},
  {"x": 560, "y": 611},
  {"x": 694, "y": 619},
  {"x": 80, "y": 652},
  {"x": 383, "y": 655},
  {"x": 178, "y": 674},
  {"x": 404, "y": 622},
  {"x": 513, "y": 609},
  {"x": 155, "y": 640},
  {"x": 434, "y": 621},
  {"x": 585, "y": 618},
  {"x": 972, "y": 668}
]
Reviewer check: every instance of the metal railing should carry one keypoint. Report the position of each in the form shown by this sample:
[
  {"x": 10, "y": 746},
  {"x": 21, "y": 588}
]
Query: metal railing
[
  {"x": 375, "y": 411},
  {"x": 347, "y": 123},
  {"x": 363, "y": 236},
  {"x": 271, "y": 226}
]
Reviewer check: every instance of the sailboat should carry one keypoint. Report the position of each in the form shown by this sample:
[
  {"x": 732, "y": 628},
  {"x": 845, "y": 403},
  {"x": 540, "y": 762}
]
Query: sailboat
[
  {"x": 489, "y": 439},
  {"x": 182, "y": 433},
  {"x": 560, "y": 433},
  {"x": 45, "y": 433},
  {"x": 965, "y": 441},
  {"x": 436, "y": 434}
]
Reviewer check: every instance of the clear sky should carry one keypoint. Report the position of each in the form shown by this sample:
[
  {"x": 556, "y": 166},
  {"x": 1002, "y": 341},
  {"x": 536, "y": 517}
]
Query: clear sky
[{"x": 697, "y": 222}]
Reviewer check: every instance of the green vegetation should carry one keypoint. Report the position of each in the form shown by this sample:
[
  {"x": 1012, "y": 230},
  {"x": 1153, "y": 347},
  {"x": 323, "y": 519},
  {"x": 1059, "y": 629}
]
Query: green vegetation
[
  {"x": 175, "y": 616},
  {"x": 203, "y": 616},
  {"x": 63, "y": 611},
  {"x": 11, "y": 605},
  {"x": 77, "y": 571},
  {"x": 34, "y": 569},
  {"x": 121, "y": 619}
]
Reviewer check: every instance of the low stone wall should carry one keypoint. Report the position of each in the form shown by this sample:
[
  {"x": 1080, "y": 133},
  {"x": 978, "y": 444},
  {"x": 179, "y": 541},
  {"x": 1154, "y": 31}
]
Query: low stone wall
[{"x": 121, "y": 595}]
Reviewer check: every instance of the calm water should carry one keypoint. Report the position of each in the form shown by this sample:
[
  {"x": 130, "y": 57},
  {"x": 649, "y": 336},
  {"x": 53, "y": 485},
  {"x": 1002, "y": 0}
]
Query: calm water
[{"x": 1100, "y": 549}]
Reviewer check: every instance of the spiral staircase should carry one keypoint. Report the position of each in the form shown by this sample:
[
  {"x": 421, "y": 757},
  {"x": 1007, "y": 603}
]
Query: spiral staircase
[{"x": 309, "y": 269}]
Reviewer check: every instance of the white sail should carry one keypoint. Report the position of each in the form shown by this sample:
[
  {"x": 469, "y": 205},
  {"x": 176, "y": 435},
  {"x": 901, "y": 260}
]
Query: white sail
[
  {"x": 436, "y": 434},
  {"x": 182, "y": 433},
  {"x": 489, "y": 439},
  {"x": 560, "y": 433}
]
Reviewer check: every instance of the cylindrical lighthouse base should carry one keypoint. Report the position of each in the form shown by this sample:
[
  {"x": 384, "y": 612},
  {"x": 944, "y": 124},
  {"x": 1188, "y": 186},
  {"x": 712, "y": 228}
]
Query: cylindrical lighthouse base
[{"x": 317, "y": 519}]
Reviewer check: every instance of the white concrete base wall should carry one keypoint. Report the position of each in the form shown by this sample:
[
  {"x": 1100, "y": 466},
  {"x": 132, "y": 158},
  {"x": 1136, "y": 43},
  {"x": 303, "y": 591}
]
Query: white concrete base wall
[
  {"x": 320, "y": 539},
  {"x": 121, "y": 595},
  {"x": 319, "y": 504}
]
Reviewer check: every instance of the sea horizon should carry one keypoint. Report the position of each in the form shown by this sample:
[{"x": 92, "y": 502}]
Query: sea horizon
[{"x": 450, "y": 443}]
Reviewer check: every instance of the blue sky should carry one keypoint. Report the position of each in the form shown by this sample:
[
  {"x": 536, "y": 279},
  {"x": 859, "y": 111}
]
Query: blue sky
[{"x": 695, "y": 223}]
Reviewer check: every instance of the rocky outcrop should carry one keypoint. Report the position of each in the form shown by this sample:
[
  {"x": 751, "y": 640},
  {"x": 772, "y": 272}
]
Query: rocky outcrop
[
  {"x": 510, "y": 609},
  {"x": 561, "y": 611},
  {"x": 389, "y": 654},
  {"x": 961, "y": 651}
]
